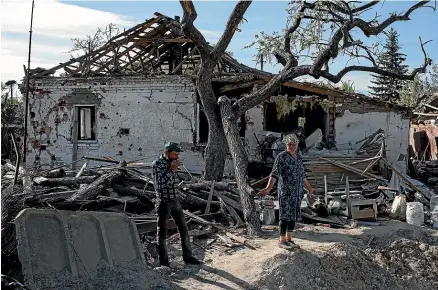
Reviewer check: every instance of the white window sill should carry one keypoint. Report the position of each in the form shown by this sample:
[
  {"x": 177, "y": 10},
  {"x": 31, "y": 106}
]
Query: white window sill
[{"x": 85, "y": 144}]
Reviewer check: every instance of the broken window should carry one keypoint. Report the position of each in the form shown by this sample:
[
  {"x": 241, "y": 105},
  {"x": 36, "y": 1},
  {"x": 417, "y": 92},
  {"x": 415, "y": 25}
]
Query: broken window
[
  {"x": 312, "y": 117},
  {"x": 86, "y": 122},
  {"x": 203, "y": 126}
]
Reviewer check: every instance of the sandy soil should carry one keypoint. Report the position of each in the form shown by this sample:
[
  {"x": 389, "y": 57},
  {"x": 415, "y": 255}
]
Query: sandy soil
[{"x": 394, "y": 255}]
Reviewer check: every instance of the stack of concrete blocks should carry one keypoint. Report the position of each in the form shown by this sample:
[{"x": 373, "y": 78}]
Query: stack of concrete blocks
[{"x": 58, "y": 248}]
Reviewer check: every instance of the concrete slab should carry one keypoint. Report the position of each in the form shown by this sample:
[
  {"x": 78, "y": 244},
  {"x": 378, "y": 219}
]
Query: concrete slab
[{"x": 57, "y": 248}]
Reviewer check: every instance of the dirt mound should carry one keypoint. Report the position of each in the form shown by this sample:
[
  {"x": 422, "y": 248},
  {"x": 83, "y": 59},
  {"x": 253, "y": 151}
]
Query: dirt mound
[
  {"x": 121, "y": 277},
  {"x": 408, "y": 260},
  {"x": 404, "y": 264}
]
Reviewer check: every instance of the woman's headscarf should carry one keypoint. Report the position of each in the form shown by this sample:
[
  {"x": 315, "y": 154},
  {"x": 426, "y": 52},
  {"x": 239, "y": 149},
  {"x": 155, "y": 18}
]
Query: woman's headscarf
[{"x": 291, "y": 138}]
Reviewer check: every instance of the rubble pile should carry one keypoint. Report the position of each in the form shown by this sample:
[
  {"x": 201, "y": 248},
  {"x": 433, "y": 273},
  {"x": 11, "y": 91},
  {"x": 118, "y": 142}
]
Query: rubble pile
[
  {"x": 121, "y": 187},
  {"x": 408, "y": 259},
  {"x": 427, "y": 172},
  {"x": 402, "y": 264}
]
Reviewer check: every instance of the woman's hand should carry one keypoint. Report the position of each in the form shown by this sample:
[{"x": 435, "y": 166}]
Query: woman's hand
[{"x": 264, "y": 191}]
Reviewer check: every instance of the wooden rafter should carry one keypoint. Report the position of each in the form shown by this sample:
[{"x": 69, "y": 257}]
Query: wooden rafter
[{"x": 142, "y": 49}]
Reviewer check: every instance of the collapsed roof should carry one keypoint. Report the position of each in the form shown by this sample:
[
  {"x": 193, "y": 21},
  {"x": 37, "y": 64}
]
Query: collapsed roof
[{"x": 156, "y": 46}]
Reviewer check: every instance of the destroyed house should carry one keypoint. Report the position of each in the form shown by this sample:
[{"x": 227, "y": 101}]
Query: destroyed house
[
  {"x": 127, "y": 98},
  {"x": 424, "y": 131}
]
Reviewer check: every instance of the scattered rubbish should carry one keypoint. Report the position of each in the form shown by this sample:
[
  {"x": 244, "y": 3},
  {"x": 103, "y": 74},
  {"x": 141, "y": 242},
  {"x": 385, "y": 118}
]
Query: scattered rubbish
[{"x": 364, "y": 209}]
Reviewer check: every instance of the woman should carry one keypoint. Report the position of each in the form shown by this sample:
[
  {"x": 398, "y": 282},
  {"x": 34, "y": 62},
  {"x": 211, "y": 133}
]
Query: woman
[{"x": 288, "y": 170}]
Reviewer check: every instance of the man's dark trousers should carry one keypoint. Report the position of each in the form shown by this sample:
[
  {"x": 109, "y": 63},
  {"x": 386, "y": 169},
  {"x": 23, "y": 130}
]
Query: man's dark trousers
[{"x": 172, "y": 207}]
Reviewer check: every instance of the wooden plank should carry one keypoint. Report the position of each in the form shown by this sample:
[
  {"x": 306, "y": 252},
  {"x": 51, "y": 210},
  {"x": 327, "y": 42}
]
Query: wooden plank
[
  {"x": 347, "y": 192},
  {"x": 151, "y": 226},
  {"x": 74, "y": 138},
  {"x": 169, "y": 40},
  {"x": 82, "y": 170},
  {"x": 403, "y": 177},
  {"x": 232, "y": 212},
  {"x": 229, "y": 201},
  {"x": 98, "y": 53},
  {"x": 202, "y": 220},
  {"x": 232, "y": 87},
  {"x": 352, "y": 169},
  {"x": 260, "y": 181},
  {"x": 210, "y": 196}
]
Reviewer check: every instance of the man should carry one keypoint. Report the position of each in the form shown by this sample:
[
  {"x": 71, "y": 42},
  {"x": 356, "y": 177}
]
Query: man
[
  {"x": 165, "y": 176},
  {"x": 288, "y": 170}
]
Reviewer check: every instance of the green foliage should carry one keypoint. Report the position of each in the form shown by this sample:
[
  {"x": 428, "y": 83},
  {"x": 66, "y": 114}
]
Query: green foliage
[
  {"x": 430, "y": 82},
  {"x": 346, "y": 86},
  {"x": 384, "y": 87},
  {"x": 284, "y": 106},
  {"x": 307, "y": 41},
  {"x": 411, "y": 92}
]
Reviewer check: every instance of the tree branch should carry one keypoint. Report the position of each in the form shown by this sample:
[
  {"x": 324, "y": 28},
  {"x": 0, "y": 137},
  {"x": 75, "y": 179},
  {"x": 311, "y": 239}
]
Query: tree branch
[
  {"x": 251, "y": 100},
  {"x": 296, "y": 25},
  {"x": 189, "y": 16},
  {"x": 364, "y": 7},
  {"x": 333, "y": 49},
  {"x": 369, "y": 29},
  {"x": 231, "y": 27},
  {"x": 409, "y": 77},
  {"x": 354, "y": 10},
  {"x": 337, "y": 78}
]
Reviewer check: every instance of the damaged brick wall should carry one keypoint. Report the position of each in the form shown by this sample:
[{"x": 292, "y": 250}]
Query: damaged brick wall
[
  {"x": 431, "y": 129},
  {"x": 133, "y": 118}
]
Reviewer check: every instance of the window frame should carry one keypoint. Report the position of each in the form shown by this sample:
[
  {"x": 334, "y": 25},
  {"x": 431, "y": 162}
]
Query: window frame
[{"x": 92, "y": 125}]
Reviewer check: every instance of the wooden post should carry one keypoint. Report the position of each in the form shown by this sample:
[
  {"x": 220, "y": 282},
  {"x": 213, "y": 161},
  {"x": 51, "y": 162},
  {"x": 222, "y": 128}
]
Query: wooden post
[
  {"x": 210, "y": 196},
  {"x": 325, "y": 189},
  {"x": 17, "y": 162},
  {"x": 26, "y": 106},
  {"x": 74, "y": 137},
  {"x": 347, "y": 192}
]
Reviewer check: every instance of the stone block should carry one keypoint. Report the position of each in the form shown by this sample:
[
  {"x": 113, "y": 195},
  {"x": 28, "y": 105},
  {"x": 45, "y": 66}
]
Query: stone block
[{"x": 58, "y": 248}]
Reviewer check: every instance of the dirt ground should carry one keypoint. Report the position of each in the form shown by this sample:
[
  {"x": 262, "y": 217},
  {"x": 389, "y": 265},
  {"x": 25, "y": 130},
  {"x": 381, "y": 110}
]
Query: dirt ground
[{"x": 394, "y": 255}]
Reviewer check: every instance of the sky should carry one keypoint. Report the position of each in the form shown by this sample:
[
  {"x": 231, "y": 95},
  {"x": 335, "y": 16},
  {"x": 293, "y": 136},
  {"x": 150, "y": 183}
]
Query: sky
[{"x": 56, "y": 22}]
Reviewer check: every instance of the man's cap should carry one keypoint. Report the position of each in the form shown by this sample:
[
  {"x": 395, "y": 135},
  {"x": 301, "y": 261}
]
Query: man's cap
[{"x": 172, "y": 146}]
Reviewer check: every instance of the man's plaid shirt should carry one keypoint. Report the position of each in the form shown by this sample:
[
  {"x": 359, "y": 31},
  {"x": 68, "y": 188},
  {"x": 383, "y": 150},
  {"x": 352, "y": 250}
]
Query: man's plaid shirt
[{"x": 164, "y": 179}]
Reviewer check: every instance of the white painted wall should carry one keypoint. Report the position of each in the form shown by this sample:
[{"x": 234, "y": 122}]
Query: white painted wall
[
  {"x": 352, "y": 127},
  {"x": 155, "y": 109}
]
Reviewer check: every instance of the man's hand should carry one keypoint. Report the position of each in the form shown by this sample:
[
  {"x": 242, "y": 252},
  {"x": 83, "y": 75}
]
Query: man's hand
[
  {"x": 174, "y": 165},
  {"x": 264, "y": 191}
]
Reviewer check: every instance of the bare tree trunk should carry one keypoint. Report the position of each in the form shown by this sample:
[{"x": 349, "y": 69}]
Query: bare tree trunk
[
  {"x": 240, "y": 158},
  {"x": 216, "y": 151}
]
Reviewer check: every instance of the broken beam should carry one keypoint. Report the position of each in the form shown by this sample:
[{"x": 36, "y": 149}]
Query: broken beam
[{"x": 233, "y": 87}]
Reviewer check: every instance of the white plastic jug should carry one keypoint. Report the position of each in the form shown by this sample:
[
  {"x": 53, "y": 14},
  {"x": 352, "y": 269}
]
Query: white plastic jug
[
  {"x": 415, "y": 213},
  {"x": 398, "y": 209}
]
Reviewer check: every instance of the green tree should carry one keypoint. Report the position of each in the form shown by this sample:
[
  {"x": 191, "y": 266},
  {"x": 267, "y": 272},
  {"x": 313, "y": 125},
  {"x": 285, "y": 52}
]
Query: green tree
[
  {"x": 431, "y": 81},
  {"x": 412, "y": 92},
  {"x": 388, "y": 87}
]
